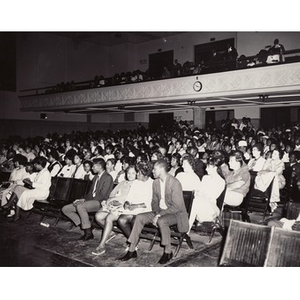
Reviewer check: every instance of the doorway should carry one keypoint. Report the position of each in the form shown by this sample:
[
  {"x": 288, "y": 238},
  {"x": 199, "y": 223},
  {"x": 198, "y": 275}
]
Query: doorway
[{"x": 158, "y": 61}]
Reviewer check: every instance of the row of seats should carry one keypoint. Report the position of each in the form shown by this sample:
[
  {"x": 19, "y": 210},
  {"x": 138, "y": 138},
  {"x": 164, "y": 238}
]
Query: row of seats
[
  {"x": 66, "y": 190},
  {"x": 253, "y": 245}
]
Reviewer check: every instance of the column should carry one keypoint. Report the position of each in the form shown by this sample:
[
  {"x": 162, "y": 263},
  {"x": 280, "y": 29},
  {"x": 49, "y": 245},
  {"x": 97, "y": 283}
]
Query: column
[{"x": 199, "y": 117}]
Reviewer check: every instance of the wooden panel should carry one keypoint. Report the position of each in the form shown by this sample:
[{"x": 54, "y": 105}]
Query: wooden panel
[
  {"x": 284, "y": 249},
  {"x": 246, "y": 244}
]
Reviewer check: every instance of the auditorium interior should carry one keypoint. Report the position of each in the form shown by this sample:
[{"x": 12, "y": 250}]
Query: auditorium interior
[{"x": 148, "y": 90}]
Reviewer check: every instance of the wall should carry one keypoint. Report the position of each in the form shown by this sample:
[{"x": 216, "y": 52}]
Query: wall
[
  {"x": 182, "y": 44},
  {"x": 290, "y": 40},
  {"x": 249, "y": 112},
  {"x": 47, "y": 59}
]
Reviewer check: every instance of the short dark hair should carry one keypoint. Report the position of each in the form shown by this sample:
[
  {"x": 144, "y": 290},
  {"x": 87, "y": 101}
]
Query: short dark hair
[
  {"x": 162, "y": 163},
  {"x": 21, "y": 159},
  {"x": 177, "y": 156},
  {"x": 130, "y": 167},
  {"x": 219, "y": 157},
  {"x": 70, "y": 155},
  {"x": 145, "y": 167},
  {"x": 112, "y": 160},
  {"x": 99, "y": 161},
  {"x": 80, "y": 155},
  {"x": 54, "y": 154},
  {"x": 259, "y": 147},
  {"x": 88, "y": 162},
  {"x": 238, "y": 156},
  {"x": 40, "y": 160}
]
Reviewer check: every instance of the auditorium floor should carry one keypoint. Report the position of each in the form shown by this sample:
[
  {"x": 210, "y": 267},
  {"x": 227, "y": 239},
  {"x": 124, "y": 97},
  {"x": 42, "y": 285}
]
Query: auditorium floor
[{"x": 27, "y": 243}]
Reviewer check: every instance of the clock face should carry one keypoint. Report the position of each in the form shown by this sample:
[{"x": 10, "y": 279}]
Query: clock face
[{"x": 197, "y": 86}]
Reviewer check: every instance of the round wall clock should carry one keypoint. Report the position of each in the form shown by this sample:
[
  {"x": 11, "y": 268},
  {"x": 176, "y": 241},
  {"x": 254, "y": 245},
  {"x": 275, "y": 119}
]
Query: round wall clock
[{"x": 197, "y": 86}]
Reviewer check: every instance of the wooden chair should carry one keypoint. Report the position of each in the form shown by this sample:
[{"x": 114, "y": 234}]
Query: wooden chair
[
  {"x": 178, "y": 238},
  {"x": 67, "y": 190},
  {"x": 218, "y": 224},
  {"x": 284, "y": 249},
  {"x": 246, "y": 245},
  {"x": 258, "y": 201},
  {"x": 209, "y": 228},
  {"x": 56, "y": 200}
]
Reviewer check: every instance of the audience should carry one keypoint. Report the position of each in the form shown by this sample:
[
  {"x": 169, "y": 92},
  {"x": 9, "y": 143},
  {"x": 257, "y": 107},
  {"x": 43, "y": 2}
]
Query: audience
[{"x": 199, "y": 159}]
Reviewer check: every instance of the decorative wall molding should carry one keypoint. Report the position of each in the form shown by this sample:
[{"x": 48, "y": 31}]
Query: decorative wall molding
[{"x": 240, "y": 82}]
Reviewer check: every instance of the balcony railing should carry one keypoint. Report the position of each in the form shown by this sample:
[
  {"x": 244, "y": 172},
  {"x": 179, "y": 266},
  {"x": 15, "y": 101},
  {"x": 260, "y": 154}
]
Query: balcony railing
[{"x": 263, "y": 59}]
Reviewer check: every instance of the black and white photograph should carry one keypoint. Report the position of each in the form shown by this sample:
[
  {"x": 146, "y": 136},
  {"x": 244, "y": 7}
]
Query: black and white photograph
[{"x": 129, "y": 145}]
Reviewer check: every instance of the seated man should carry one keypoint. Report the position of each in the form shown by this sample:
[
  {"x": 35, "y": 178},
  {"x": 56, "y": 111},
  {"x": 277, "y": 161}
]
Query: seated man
[
  {"x": 101, "y": 187},
  {"x": 168, "y": 209}
]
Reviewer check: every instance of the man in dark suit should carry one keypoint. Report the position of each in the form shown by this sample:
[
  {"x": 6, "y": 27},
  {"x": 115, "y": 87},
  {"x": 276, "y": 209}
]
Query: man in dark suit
[
  {"x": 101, "y": 187},
  {"x": 168, "y": 209}
]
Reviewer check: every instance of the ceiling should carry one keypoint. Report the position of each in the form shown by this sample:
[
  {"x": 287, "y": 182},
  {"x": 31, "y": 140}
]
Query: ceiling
[{"x": 110, "y": 38}]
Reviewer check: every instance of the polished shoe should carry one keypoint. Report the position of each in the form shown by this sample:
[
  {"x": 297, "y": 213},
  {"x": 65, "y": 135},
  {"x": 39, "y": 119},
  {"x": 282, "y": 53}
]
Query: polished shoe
[
  {"x": 99, "y": 251},
  {"x": 128, "y": 256},
  {"x": 86, "y": 237},
  {"x": 165, "y": 258}
]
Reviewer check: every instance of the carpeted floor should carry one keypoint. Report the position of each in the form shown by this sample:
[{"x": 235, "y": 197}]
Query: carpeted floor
[{"x": 27, "y": 243}]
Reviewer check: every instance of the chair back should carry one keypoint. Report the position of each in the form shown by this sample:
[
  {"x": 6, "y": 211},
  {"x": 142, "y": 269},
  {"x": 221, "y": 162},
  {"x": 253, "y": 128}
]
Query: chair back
[
  {"x": 4, "y": 176},
  {"x": 188, "y": 197},
  {"x": 220, "y": 199},
  {"x": 246, "y": 245},
  {"x": 284, "y": 249},
  {"x": 78, "y": 189},
  {"x": 292, "y": 210},
  {"x": 258, "y": 201},
  {"x": 62, "y": 188}
]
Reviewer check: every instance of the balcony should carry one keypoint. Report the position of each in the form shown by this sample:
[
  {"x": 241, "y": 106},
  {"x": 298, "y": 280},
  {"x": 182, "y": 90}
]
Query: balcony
[{"x": 272, "y": 85}]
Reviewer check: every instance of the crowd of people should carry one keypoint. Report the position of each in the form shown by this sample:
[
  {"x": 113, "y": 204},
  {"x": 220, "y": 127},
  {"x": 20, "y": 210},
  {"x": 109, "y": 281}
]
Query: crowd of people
[
  {"x": 137, "y": 176},
  {"x": 217, "y": 61}
]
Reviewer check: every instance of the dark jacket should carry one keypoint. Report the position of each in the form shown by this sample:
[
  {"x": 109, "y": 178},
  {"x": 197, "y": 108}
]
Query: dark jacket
[
  {"x": 174, "y": 201},
  {"x": 103, "y": 189}
]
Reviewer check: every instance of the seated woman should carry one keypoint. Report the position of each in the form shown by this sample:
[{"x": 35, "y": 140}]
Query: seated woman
[
  {"x": 257, "y": 163},
  {"x": 69, "y": 169},
  {"x": 275, "y": 164},
  {"x": 126, "y": 162},
  {"x": 23, "y": 197},
  {"x": 87, "y": 166},
  {"x": 175, "y": 164},
  {"x": 98, "y": 152},
  {"x": 54, "y": 164},
  {"x": 110, "y": 168},
  {"x": 16, "y": 177},
  {"x": 113, "y": 206},
  {"x": 188, "y": 178},
  {"x": 79, "y": 172},
  {"x": 205, "y": 207},
  {"x": 220, "y": 156},
  {"x": 139, "y": 197},
  {"x": 237, "y": 180}
]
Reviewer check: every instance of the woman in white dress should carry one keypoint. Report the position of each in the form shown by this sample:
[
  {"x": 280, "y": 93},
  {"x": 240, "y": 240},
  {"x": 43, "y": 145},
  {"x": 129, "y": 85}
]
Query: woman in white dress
[
  {"x": 24, "y": 197},
  {"x": 188, "y": 178},
  {"x": 17, "y": 175},
  {"x": 68, "y": 170},
  {"x": 205, "y": 207}
]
